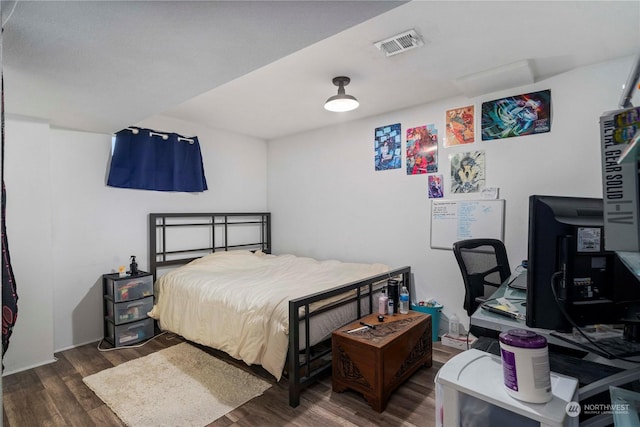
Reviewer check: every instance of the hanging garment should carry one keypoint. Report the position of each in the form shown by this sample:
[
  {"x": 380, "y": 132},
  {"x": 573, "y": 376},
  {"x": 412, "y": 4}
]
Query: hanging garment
[{"x": 9, "y": 294}]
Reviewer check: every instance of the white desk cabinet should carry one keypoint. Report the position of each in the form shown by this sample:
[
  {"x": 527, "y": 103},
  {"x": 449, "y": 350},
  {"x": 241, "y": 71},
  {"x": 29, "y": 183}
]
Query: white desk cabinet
[{"x": 470, "y": 392}]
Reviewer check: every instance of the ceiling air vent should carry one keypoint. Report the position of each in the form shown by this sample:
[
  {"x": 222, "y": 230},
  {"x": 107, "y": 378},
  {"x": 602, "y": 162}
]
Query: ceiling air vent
[{"x": 400, "y": 43}]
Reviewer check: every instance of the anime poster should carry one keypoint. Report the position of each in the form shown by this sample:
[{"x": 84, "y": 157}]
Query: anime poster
[
  {"x": 517, "y": 115},
  {"x": 388, "y": 150},
  {"x": 436, "y": 186},
  {"x": 467, "y": 172},
  {"x": 422, "y": 150},
  {"x": 460, "y": 128}
]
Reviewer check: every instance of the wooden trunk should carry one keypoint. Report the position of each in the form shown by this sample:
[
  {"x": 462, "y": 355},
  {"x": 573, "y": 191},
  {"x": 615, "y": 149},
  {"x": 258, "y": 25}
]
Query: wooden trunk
[{"x": 376, "y": 361}]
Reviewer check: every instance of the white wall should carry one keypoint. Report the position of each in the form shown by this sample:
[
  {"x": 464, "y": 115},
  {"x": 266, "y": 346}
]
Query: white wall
[
  {"x": 328, "y": 202},
  {"x": 29, "y": 203},
  {"x": 66, "y": 227}
]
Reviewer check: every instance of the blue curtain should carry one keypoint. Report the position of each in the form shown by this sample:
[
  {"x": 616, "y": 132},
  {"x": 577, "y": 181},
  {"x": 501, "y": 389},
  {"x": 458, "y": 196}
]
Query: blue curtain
[{"x": 151, "y": 160}]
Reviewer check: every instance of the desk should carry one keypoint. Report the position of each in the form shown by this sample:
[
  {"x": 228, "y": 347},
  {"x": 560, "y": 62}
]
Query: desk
[
  {"x": 497, "y": 322},
  {"x": 500, "y": 323},
  {"x": 595, "y": 373}
]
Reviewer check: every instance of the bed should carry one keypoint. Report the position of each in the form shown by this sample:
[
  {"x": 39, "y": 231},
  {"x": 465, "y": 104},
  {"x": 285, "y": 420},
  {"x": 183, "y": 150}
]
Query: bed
[{"x": 223, "y": 288}]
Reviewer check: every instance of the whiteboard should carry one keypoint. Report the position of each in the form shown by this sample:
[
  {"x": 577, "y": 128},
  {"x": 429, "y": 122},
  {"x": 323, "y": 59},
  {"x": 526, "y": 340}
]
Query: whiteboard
[{"x": 453, "y": 220}]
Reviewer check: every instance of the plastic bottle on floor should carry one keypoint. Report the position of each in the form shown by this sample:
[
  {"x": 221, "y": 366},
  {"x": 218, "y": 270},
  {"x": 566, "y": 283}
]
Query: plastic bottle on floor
[{"x": 454, "y": 326}]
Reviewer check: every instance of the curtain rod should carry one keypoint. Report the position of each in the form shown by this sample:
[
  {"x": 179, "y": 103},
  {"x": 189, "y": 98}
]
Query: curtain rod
[{"x": 164, "y": 136}]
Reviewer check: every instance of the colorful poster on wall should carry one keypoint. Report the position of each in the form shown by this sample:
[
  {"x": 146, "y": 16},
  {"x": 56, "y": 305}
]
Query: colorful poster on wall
[
  {"x": 467, "y": 172},
  {"x": 388, "y": 150},
  {"x": 436, "y": 186},
  {"x": 517, "y": 115},
  {"x": 422, "y": 150},
  {"x": 460, "y": 126}
]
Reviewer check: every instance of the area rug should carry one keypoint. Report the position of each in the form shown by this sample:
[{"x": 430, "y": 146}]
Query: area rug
[{"x": 177, "y": 386}]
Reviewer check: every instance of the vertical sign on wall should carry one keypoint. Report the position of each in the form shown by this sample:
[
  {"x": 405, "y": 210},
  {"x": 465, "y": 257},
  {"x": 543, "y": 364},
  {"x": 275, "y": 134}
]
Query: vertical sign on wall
[
  {"x": 467, "y": 172},
  {"x": 459, "y": 125},
  {"x": 387, "y": 146},
  {"x": 517, "y": 115},
  {"x": 436, "y": 189},
  {"x": 422, "y": 150}
]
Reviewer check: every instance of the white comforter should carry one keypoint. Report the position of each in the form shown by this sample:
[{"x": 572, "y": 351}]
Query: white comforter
[{"x": 237, "y": 301}]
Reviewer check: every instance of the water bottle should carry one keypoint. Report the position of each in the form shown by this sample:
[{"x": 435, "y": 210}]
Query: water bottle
[
  {"x": 454, "y": 326},
  {"x": 382, "y": 303},
  {"x": 404, "y": 300}
]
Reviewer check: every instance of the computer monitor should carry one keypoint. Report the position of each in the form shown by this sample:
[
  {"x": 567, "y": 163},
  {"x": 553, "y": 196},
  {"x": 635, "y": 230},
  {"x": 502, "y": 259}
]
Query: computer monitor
[{"x": 568, "y": 268}]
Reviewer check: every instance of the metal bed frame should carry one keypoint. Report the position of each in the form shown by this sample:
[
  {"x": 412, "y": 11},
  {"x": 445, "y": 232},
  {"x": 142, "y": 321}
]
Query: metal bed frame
[
  {"x": 305, "y": 363},
  {"x": 218, "y": 225}
]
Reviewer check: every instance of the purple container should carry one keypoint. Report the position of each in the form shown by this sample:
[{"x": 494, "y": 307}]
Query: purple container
[
  {"x": 525, "y": 365},
  {"x": 523, "y": 338}
]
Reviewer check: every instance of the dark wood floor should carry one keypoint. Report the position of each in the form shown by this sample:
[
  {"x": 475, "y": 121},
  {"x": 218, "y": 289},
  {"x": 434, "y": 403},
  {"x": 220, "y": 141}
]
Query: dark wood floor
[{"x": 54, "y": 395}]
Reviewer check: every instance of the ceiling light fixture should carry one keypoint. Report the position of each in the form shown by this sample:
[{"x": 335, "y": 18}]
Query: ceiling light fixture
[{"x": 341, "y": 102}]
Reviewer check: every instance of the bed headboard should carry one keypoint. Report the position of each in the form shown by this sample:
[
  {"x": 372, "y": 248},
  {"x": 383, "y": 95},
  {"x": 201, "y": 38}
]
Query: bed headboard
[{"x": 178, "y": 238}]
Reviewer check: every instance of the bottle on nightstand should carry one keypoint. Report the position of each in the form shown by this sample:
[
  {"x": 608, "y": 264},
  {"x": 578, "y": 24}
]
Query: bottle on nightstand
[
  {"x": 382, "y": 302},
  {"x": 404, "y": 300}
]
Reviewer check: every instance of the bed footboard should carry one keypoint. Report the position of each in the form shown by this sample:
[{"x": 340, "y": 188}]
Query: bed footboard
[{"x": 317, "y": 363}]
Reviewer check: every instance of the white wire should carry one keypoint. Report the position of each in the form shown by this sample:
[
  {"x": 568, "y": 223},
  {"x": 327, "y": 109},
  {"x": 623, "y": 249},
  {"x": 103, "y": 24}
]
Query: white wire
[
  {"x": 132, "y": 346},
  {"x": 10, "y": 13}
]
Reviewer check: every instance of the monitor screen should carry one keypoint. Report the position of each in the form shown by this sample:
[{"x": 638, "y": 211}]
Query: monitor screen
[{"x": 568, "y": 268}]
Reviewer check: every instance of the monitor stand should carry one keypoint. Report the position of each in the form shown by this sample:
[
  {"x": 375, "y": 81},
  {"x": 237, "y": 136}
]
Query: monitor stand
[{"x": 631, "y": 331}]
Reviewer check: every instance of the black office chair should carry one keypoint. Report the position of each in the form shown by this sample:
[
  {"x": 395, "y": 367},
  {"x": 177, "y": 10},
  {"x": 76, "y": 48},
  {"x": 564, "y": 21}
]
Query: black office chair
[{"x": 484, "y": 266}]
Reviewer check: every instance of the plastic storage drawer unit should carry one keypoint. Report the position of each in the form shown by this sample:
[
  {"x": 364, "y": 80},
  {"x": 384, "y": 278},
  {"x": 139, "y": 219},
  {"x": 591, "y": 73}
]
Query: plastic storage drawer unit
[
  {"x": 129, "y": 287},
  {"x": 129, "y": 333},
  {"x": 126, "y": 302},
  {"x": 129, "y": 311}
]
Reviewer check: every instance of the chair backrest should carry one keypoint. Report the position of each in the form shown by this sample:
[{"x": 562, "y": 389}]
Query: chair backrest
[{"x": 483, "y": 263}]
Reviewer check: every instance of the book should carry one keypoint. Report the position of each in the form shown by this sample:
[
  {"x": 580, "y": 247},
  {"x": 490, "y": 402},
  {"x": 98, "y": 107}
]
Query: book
[{"x": 620, "y": 179}]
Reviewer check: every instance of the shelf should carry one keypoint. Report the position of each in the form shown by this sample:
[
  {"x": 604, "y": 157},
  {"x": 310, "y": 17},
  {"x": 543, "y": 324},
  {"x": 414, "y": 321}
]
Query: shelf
[
  {"x": 631, "y": 260},
  {"x": 631, "y": 153}
]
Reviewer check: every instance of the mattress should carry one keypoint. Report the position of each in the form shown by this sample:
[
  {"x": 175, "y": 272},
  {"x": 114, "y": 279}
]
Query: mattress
[{"x": 238, "y": 301}]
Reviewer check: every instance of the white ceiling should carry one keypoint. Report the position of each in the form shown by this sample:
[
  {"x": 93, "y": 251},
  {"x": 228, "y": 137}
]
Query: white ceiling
[{"x": 264, "y": 68}]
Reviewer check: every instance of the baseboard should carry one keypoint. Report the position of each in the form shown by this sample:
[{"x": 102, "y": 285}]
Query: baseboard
[
  {"x": 94, "y": 341},
  {"x": 26, "y": 368}
]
